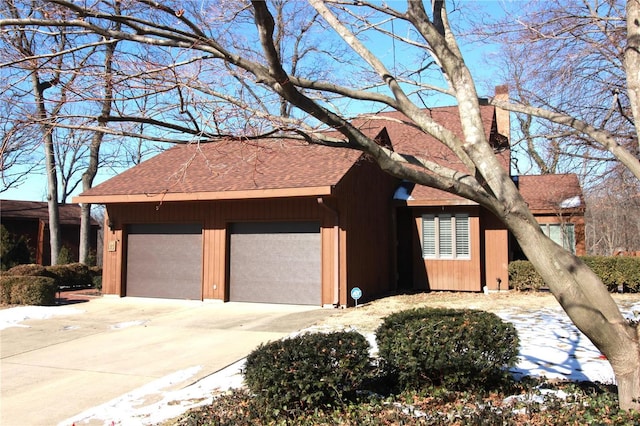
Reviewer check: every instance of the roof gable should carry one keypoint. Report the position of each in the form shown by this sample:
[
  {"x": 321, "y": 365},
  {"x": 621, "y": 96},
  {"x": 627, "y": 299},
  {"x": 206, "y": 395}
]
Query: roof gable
[
  {"x": 408, "y": 139},
  {"x": 283, "y": 167},
  {"x": 551, "y": 193},
  {"x": 232, "y": 166}
]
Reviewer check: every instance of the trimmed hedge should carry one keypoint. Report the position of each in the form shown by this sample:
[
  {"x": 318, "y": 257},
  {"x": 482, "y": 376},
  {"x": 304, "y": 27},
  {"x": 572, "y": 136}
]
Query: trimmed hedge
[
  {"x": 307, "y": 372},
  {"x": 456, "y": 348},
  {"x": 71, "y": 275},
  {"x": 27, "y": 290},
  {"x": 31, "y": 269},
  {"x": 523, "y": 276},
  {"x": 614, "y": 271}
]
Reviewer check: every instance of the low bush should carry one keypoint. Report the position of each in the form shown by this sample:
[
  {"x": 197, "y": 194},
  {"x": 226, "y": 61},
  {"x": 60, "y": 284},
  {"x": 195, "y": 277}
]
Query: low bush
[
  {"x": 72, "y": 275},
  {"x": 616, "y": 272},
  {"x": 27, "y": 290},
  {"x": 523, "y": 276},
  {"x": 30, "y": 269},
  {"x": 459, "y": 349},
  {"x": 307, "y": 372}
]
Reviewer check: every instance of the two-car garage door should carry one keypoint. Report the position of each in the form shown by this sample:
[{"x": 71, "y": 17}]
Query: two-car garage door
[{"x": 271, "y": 262}]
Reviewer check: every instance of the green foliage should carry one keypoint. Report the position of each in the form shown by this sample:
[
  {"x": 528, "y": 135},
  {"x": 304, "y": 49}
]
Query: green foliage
[
  {"x": 614, "y": 271},
  {"x": 523, "y": 276},
  {"x": 65, "y": 256},
  {"x": 450, "y": 347},
  {"x": 27, "y": 290},
  {"x": 72, "y": 275},
  {"x": 307, "y": 372},
  {"x": 585, "y": 403},
  {"x": 96, "y": 276},
  {"x": 14, "y": 250}
]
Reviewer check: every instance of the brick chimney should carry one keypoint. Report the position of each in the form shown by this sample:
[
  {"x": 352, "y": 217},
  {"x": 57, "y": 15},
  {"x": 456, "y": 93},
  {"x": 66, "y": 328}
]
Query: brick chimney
[{"x": 503, "y": 121}]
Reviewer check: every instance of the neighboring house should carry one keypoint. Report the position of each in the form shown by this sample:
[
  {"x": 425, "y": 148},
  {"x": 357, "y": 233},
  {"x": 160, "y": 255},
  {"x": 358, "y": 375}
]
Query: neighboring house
[
  {"x": 281, "y": 221},
  {"x": 31, "y": 220}
]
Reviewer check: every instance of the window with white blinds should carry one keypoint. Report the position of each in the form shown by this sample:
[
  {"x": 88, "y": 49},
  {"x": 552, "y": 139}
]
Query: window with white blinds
[{"x": 445, "y": 236}]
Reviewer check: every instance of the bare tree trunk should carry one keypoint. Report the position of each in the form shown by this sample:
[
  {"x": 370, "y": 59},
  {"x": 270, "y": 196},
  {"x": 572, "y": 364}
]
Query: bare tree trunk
[
  {"x": 94, "y": 150},
  {"x": 589, "y": 305},
  {"x": 50, "y": 163}
]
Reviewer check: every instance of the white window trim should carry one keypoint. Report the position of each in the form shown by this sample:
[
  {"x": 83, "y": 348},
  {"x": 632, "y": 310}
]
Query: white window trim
[{"x": 435, "y": 242}]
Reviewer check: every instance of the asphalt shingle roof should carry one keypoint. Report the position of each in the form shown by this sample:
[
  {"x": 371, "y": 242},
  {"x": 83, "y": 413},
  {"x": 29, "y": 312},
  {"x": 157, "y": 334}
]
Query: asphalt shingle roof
[
  {"x": 551, "y": 192},
  {"x": 37, "y": 210},
  {"x": 231, "y": 165}
]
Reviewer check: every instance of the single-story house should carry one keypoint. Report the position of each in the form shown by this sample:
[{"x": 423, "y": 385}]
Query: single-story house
[
  {"x": 282, "y": 221},
  {"x": 30, "y": 219}
]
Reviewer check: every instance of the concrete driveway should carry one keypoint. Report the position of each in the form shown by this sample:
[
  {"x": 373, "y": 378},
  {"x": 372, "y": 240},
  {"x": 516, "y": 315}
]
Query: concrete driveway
[{"x": 64, "y": 365}]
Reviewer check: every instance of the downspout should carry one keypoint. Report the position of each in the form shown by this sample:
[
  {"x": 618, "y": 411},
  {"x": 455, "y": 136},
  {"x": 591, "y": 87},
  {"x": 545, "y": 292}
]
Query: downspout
[{"x": 336, "y": 252}]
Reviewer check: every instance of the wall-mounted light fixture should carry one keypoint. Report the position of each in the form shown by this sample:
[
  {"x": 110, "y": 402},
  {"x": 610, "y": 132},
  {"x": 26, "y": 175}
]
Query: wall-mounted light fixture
[{"x": 111, "y": 225}]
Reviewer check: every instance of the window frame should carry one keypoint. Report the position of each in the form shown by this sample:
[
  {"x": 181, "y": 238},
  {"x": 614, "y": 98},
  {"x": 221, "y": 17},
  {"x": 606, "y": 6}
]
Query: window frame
[
  {"x": 568, "y": 237},
  {"x": 435, "y": 245}
]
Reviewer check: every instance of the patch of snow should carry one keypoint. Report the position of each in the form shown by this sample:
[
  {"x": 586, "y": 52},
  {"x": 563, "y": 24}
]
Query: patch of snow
[
  {"x": 127, "y": 324},
  {"x": 550, "y": 346},
  {"x": 131, "y": 409},
  {"x": 12, "y": 317},
  {"x": 570, "y": 203}
]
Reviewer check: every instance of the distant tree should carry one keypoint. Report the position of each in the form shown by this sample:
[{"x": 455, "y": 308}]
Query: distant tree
[
  {"x": 613, "y": 215},
  {"x": 570, "y": 59}
]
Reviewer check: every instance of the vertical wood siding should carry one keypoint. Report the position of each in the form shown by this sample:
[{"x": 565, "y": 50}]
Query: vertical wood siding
[
  {"x": 366, "y": 202},
  {"x": 215, "y": 218},
  {"x": 454, "y": 274},
  {"x": 495, "y": 252}
]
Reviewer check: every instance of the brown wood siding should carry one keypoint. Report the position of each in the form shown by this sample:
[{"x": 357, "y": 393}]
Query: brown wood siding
[
  {"x": 214, "y": 217},
  {"x": 495, "y": 253},
  {"x": 366, "y": 201},
  {"x": 453, "y": 274}
]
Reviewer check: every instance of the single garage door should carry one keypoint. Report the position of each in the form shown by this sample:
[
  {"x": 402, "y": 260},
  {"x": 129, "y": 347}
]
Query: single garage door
[
  {"x": 164, "y": 260},
  {"x": 275, "y": 262}
]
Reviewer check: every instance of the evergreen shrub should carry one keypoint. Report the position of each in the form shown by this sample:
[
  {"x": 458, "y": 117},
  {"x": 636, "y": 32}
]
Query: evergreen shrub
[
  {"x": 307, "y": 372},
  {"x": 14, "y": 249},
  {"x": 27, "y": 290},
  {"x": 455, "y": 348},
  {"x": 29, "y": 269},
  {"x": 523, "y": 276},
  {"x": 616, "y": 272},
  {"x": 72, "y": 275}
]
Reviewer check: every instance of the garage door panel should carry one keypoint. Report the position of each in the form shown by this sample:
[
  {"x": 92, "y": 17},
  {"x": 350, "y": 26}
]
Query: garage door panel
[
  {"x": 275, "y": 263},
  {"x": 164, "y": 261}
]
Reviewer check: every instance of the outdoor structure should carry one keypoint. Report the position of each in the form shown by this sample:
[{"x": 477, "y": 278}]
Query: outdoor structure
[
  {"x": 282, "y": 221},
  {"x": 31, "y": 220}
]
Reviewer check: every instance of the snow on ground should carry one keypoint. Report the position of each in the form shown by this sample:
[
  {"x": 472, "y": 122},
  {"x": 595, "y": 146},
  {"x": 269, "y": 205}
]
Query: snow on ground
[
  {"x": 550, "y": 346},
  {"x": 12, "y": 317}
]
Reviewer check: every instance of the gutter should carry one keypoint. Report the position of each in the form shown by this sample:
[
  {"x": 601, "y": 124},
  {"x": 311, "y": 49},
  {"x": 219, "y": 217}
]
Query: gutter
[{"x": 336, "y": 251}]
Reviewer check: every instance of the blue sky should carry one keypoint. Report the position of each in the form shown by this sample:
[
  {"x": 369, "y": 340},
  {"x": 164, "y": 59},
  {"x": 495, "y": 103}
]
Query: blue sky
[{"x": 477, "y": 58}]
